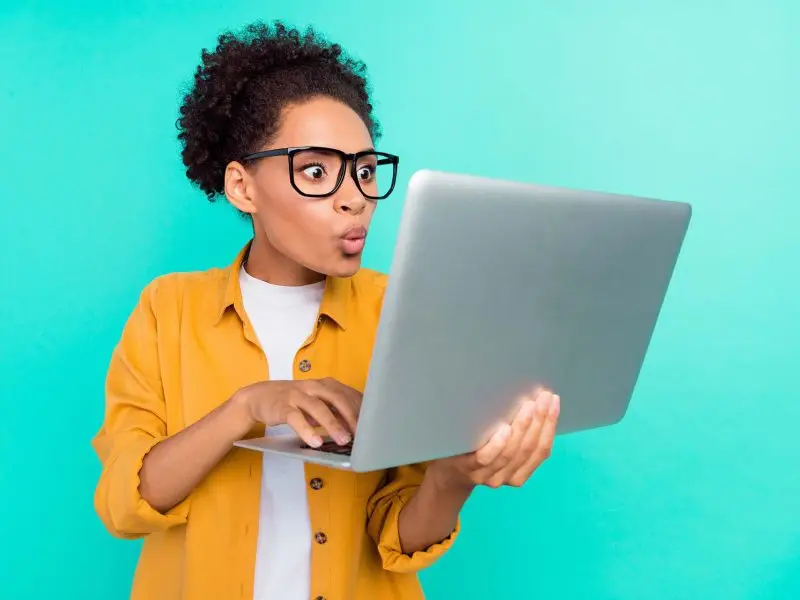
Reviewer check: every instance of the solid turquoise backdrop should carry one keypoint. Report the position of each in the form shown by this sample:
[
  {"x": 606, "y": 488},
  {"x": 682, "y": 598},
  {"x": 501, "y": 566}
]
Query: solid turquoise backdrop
[{"x": 695, "y": 495}]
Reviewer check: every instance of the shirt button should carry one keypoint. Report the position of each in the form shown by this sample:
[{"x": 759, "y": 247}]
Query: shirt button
[
  {"x": 305, "y": 366},
  {"x": 316, "y": 483},
  {"x": 320, "y": 537},
  {"x": 320, "y": 598}
]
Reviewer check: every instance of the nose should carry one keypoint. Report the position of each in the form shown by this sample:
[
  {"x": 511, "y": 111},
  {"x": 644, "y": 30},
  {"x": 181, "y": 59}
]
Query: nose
[{"x": 349, "y": 199}]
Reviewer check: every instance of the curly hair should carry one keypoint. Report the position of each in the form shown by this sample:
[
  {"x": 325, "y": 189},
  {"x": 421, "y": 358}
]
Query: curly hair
[{"x": 239, "y": 90}]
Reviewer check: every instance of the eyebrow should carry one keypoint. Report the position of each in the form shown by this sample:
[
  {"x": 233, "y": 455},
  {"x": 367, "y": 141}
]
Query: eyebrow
[
  {"x": 312, "y": 146},
  {"x": 367, "y": 149}
]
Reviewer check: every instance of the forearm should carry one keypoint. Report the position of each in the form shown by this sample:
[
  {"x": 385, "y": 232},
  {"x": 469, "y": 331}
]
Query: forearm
[
  {"x": 175, "y": 466},
  {"x": 432, "y": 513}
]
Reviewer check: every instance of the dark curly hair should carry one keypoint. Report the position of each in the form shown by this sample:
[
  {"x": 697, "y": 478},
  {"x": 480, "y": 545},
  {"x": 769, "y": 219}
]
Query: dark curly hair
[{"x": 239, "y": 90}]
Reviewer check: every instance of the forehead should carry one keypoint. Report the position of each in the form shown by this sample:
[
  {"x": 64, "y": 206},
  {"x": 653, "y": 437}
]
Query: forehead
[{"x": 323, "y": 122}]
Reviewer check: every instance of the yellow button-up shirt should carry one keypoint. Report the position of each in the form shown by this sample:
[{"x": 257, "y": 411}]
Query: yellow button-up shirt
[{"x": 187, "y": 347}]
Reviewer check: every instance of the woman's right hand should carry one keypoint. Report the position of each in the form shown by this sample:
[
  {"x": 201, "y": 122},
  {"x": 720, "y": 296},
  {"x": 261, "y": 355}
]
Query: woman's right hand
[
  {"x": 175, "y": 466},
  {"x": 304, "y": 405}
]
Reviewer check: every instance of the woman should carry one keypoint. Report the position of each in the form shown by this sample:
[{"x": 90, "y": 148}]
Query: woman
[{"x": 280, "y": 339}]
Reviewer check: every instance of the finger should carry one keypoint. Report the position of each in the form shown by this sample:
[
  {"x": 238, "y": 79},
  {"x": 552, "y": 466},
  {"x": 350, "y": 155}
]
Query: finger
[
  {"x": 530, "y": 439},
  {"x": 352, "y": 393},
  {"x": 297, "y": 420},
  {"x": 340, "y": 404},
  {"x": 489, "y": 452},
  {"x": 518, "y": 428},
  {"x": 544, "y": 446},
  {"x": 318, "y": 410},
  {"x": 340, "y": 397}
]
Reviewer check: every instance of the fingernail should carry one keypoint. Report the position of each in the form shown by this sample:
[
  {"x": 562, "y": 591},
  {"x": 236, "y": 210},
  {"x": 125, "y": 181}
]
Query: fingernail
[
  {"x": 316, "y": 441},
  {"x": 343, "y": 440},
  {"x": 546, "y": 400},
  {"x": 556, "y": 406}
]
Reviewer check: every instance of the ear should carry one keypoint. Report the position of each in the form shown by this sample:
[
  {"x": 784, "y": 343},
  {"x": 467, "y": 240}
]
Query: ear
[{"x": 238, "y": 187}]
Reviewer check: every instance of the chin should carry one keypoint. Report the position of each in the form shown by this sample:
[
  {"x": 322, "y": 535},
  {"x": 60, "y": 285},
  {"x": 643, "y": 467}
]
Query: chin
[{"x": 346, "y": 266}]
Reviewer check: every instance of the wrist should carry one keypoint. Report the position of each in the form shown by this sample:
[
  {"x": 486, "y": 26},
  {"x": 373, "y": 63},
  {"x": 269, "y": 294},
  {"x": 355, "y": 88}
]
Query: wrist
[
  {"x": 240, "y": 414},
  {"x": 446, "y": 478}
]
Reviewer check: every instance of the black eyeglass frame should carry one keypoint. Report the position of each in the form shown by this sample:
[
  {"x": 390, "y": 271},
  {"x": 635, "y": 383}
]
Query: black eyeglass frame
[{"x": 383, "y": 158}]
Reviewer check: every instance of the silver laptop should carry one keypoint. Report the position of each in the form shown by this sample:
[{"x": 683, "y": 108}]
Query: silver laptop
[{"x": 497, "y": 287}]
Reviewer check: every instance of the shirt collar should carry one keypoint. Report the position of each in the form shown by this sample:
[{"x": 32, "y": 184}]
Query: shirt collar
[{"x": 334, "y": 300}]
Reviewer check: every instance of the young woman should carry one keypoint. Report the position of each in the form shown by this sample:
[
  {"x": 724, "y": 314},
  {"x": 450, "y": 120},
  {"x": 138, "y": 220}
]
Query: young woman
[{"x": 280, "y": 124}]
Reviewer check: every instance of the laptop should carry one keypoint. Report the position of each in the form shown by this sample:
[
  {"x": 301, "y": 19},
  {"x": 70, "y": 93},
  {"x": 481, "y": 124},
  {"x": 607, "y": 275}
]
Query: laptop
[{"x": 497, "y": 287}]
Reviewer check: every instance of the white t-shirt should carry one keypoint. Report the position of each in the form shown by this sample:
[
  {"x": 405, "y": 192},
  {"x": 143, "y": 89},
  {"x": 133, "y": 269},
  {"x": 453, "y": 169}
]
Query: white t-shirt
[{"x": 283, "y": 318}]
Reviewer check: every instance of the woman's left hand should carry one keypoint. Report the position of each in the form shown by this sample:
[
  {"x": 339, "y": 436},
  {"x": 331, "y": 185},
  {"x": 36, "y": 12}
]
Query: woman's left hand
[{"x": 513, "y": 452}]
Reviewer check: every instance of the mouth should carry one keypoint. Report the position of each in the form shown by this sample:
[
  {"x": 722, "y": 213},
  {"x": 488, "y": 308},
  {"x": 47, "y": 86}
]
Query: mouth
[{"x": 354, "y": 239}]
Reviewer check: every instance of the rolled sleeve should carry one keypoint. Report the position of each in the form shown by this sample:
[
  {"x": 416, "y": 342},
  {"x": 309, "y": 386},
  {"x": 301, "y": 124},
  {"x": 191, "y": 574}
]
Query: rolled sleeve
[
  {"x": 134, "y": 422},
  {"x": 384, "y": 519},
  {"x": 118, "y": 502}
]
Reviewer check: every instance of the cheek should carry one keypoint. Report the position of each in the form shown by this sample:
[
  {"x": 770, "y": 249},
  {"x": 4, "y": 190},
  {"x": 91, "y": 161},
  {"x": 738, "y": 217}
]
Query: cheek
[{"x": 292, "y": 221}]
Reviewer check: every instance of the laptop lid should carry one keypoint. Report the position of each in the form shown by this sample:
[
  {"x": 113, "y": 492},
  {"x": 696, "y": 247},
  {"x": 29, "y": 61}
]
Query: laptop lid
[{"x": 497, "y": 287}]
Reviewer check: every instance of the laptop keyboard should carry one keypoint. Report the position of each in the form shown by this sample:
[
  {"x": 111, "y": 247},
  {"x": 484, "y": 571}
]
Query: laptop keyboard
[{"x": 332, "y": 448}]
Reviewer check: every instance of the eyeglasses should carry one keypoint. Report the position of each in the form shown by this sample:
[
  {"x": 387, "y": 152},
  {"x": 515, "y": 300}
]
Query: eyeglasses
[{"x": 317, "y": 172}]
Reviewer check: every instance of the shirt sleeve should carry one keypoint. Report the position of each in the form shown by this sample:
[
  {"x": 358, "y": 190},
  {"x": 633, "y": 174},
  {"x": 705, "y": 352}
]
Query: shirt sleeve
[
  {"x": 134, "y": 422},
  {"x": 384, "y": 517}
]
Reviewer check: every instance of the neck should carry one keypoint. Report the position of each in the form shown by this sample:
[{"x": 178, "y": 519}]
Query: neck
[{"x": 264, "y": 262}]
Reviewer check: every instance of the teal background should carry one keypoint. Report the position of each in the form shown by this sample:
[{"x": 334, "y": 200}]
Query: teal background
[{"x": 695, "y": 495}]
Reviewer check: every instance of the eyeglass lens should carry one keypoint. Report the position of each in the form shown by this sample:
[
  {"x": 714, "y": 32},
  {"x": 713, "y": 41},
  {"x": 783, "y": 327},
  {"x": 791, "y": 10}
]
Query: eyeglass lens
[{"x": 318, "y": 172}]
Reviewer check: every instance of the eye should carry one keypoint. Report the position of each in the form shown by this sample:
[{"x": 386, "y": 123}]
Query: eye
[
  {"x": 314, "y": 171},
  {"x": 366, "y": 172}
]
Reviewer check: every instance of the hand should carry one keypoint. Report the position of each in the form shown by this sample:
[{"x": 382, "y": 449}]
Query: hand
[
  {"x": 513, "y": 452},
  {"x": 304, "y": 405}
]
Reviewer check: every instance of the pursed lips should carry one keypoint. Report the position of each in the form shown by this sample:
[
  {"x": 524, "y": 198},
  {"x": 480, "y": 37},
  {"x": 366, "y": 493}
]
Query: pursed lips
[{"x": 354, "y": 239}]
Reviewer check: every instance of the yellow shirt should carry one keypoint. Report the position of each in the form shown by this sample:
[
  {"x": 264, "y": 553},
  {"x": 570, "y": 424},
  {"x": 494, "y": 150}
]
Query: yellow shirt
[{"x": 187, "y": 347}]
